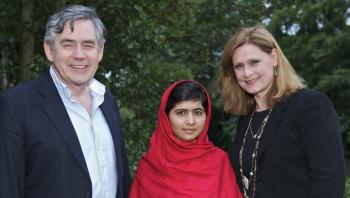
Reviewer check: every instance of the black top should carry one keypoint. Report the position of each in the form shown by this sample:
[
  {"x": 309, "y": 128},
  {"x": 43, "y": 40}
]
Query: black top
[
  {"x": 300, "y": 153},
  {"x": 257, "y": 119},
  {"x": 250, "y": 142}
]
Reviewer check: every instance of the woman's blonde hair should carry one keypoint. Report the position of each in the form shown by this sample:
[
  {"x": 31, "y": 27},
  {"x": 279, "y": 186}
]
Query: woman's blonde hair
[{"x": 235, "y": 99}]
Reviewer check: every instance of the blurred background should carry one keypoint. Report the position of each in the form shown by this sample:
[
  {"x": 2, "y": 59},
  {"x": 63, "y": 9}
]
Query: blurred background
[{"x": 152, "y": 43}]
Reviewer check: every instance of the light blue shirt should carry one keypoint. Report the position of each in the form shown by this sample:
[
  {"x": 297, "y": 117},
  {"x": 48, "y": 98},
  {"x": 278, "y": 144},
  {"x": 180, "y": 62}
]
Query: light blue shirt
[{"x": 94, "y": 137}]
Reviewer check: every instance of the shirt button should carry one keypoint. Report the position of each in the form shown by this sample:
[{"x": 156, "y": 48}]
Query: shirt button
[{"x": 87, "y": 195}]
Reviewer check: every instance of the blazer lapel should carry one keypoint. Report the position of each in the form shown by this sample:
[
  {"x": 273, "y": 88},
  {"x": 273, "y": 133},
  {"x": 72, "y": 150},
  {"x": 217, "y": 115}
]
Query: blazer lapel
[
  {"x": 56, "y": 111},
  {"x": 272, "y": 126}
]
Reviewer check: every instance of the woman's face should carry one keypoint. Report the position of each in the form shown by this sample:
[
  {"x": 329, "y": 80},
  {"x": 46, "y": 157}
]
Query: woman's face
[
  {"x": 254, "y": 69},
  {"x": 187, "y": 119}
]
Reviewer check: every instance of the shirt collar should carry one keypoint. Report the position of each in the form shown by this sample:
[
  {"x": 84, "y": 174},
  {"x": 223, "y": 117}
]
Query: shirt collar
[{"x": 97, "y": 89}]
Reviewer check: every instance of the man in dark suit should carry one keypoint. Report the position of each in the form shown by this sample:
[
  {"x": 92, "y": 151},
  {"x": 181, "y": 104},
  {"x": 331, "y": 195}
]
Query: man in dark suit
[{"x": 60, "y": 134}]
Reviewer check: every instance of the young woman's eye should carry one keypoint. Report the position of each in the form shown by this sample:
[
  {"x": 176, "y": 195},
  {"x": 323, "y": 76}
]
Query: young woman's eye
[
  {"x": 180, "y": 113},
  {"x": 198, "y": 112}
]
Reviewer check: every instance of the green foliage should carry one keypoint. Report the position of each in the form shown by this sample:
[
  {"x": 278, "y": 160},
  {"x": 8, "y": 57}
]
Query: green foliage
[
  {"x": 314, "y": 36},
  {"x": 347, "y": 188},
  {"x": 336, "y": 85},
  {"x": 151, "y": 44},
  {"x": 222, "y": 129},
  {"x": 162, "y": 42}
]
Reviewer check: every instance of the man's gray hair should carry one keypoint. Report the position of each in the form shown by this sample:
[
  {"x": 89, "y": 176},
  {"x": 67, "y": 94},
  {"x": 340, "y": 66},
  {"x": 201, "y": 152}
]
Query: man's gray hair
[{"x": 70, "y": 14}]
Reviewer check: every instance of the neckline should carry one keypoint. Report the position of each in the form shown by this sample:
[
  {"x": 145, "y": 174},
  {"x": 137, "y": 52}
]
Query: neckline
[{"x": 262, "y": 112}]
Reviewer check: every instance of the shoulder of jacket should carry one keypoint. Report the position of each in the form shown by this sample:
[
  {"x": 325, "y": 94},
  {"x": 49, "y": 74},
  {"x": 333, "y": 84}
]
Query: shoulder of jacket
[
  {"x": 23, "y": 90},
  {"x": 306, "y": 94}
]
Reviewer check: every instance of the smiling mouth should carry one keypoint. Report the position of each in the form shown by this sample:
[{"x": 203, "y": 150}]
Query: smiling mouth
[
  {"x": 250, "y": 82},
  {"x": 78, "y": 66},
  {"x": 188, "y": 131}
]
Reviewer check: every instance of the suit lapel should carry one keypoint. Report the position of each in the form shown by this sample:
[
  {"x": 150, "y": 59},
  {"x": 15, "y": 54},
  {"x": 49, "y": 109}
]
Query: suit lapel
[
  {"x": 272, "y": 126},
  {"x": 54, "y": 108}
]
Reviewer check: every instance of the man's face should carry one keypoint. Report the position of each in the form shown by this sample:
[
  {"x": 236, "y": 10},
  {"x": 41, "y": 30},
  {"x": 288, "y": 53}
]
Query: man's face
[{"x": 75, "y": 55}]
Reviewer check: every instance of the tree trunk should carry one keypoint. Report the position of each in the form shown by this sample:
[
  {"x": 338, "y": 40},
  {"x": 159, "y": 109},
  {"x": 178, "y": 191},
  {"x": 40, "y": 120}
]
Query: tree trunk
[
  {"x": 27, "y": 40},
  {"x": 3, "y": 71}
]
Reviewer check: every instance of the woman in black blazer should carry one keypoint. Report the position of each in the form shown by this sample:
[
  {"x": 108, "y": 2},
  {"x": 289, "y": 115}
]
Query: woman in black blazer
[{"x": 288, "y": 141}]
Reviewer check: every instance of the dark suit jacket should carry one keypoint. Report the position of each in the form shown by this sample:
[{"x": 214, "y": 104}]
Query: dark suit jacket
[
  {"x": 301, "y": 154},
  {"x": 40, "y": 155}
]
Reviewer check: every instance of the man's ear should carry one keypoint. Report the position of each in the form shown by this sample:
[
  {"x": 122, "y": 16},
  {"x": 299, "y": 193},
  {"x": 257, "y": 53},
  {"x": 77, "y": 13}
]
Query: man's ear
[
  {"x": 100, "y": 53},
  {"x": 48, "y": 52}
]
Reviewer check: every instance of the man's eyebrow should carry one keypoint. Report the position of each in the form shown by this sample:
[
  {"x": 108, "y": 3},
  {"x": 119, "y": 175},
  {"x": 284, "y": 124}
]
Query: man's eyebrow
[
  {"x": 89, "y": 41},
  {"x": 66, "y": 40}
]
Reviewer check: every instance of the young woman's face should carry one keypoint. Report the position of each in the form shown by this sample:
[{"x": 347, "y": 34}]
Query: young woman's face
[
  {"x": 187, "y": 119},
  {"x": 254, "y": 69}
]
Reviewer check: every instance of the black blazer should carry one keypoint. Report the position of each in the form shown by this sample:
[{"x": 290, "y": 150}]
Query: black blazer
[
  {"x": 40, "y": 155},
  {"x": 301, "y": 153}
]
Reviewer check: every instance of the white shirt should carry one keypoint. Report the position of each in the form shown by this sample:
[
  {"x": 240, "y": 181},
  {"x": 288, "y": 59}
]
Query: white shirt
[{"x": 94, "y": 137}]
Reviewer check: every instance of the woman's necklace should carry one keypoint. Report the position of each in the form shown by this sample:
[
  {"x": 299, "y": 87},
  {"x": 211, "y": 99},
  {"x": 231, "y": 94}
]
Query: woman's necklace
[
  {"x": 252, "y": 173},
  {"x": 251, "y": 131}
]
